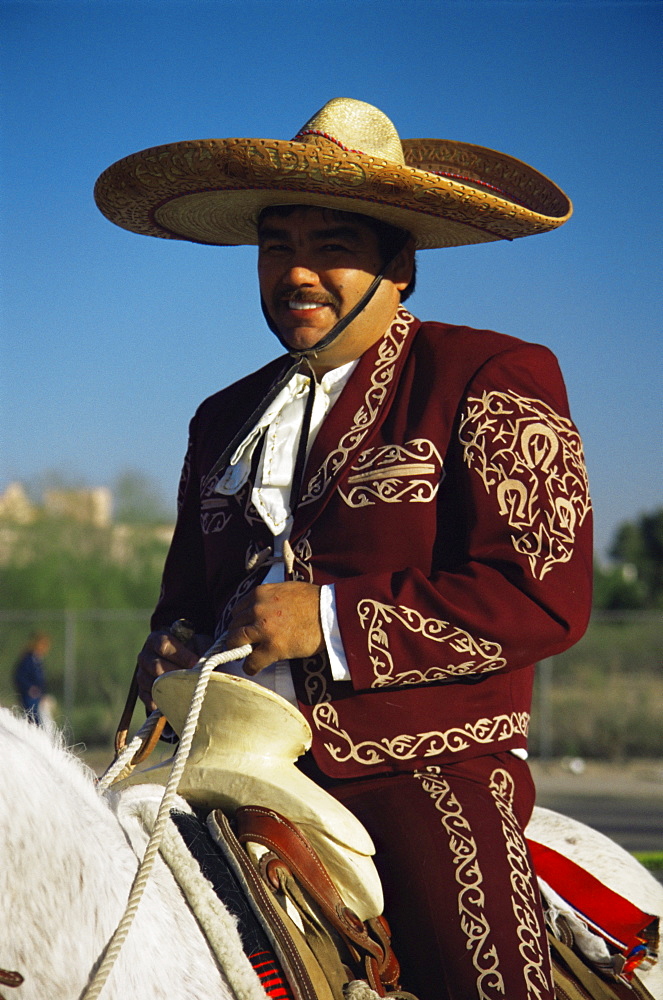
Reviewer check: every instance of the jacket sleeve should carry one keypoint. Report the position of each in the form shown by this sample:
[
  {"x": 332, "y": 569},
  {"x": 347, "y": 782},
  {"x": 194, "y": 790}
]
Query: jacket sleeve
[
  {"x": 184, "y": 592},
  {"x": 511, "y": 568}
]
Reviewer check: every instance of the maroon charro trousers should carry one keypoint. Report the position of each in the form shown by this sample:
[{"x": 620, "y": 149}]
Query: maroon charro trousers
[{"x": 460, "y": 895}]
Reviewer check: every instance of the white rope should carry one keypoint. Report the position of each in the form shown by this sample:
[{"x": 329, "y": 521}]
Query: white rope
[
  {"x": 207, "y": 665},
  {"x": 125, "y": 755}
]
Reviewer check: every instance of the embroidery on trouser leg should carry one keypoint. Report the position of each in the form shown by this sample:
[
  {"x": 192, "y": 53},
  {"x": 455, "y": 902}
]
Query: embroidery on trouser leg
[
  {"x": 471, "y": 899},
  {"x": 533, "y": 945}
]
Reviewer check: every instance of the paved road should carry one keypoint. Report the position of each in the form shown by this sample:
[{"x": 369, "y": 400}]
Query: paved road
[{"x": 635, "y": 822}]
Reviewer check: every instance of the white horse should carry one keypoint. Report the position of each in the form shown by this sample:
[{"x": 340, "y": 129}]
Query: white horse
[{"x": 67, "y": 866}]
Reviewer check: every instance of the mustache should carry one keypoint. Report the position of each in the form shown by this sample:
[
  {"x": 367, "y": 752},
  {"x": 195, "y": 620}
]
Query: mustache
[{"x": 318, "y": 298}]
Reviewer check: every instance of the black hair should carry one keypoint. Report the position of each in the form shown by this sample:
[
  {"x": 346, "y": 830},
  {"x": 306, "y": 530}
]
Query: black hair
[{"x": 391, "y": 239}]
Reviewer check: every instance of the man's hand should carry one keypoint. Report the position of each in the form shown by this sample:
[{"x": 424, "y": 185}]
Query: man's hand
[
  {"x": 280, "y": 620},
  {"x": 163, "y": 652}
]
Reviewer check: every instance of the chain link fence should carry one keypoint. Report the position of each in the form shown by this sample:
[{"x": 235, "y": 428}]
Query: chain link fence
[{"x": 601, "y": 699}]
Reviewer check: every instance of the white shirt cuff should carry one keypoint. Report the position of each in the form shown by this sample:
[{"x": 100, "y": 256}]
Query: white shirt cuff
[{"x": 332, "y": 633}]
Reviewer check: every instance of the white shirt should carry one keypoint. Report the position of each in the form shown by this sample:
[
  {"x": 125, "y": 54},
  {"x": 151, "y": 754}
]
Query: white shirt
[{"x": 282, "y": 422}]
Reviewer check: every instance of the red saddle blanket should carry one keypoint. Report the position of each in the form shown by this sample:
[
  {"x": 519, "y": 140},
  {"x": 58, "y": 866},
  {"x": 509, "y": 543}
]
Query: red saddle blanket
[{"x": 625, "y": 927}]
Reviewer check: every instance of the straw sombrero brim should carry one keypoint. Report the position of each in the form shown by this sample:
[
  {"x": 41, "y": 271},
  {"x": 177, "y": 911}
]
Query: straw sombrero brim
[{"x": 213, "y": 190}]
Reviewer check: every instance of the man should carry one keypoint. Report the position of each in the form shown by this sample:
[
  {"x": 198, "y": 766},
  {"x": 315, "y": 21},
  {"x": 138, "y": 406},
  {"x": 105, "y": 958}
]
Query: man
[{"x": 395, "y": 517}]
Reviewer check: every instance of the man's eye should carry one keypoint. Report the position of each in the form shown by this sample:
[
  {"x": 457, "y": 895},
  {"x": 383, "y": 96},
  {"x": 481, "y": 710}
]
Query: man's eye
[
  {"x": 334, "y": 248},
  {"x": 274, "y": 248}
]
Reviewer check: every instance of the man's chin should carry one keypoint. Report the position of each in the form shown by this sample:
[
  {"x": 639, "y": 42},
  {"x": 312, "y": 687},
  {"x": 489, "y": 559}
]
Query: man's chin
[{"x": 301, "y": 339}]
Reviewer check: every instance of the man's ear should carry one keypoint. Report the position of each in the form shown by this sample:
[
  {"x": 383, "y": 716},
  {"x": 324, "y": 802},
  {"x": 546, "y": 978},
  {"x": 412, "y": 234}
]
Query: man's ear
[{"x": 401, "y": 268}]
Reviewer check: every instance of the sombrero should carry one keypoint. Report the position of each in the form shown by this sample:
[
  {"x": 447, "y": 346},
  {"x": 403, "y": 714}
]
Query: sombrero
[
  {"x": 349, "y": 157},
  {"x": 243, "y": 753}
]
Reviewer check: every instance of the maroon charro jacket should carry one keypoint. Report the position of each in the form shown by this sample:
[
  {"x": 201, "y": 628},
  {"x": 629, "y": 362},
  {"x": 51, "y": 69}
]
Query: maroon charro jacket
[{"x": 446, "y": 498}]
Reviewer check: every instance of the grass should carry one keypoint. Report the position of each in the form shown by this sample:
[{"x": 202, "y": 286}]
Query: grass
[{"x": 651, "y": 860}]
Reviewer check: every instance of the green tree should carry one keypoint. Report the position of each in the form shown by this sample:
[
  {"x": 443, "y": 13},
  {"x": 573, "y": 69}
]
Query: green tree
[
  {"x": 616, "y": 588},
  {"x": 635, "y": 580},
  {"x": 641, "y": 545}
]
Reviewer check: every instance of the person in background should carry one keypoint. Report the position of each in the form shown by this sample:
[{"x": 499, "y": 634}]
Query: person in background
[{"x": 29, "y": 676}]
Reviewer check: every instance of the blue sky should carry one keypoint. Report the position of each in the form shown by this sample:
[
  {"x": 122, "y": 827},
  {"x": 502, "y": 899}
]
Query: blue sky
[{"x": 110, "y": 340}]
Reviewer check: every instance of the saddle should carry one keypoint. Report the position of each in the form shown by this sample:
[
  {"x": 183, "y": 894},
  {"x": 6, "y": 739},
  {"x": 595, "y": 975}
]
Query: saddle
[
  {"x": 309, "y": 878},
  {"x": 257, "y": 876},
  {"x": 243, "y": 753}
]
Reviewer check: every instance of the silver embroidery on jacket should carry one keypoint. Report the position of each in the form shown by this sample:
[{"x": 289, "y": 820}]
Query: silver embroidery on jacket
[
  {"x": 409, "y": 746},
  {"x": 461, "y": 654},
  {"x": 214, "y": 509},
  {"x": 531, "y": 459},
  {"x": 411, "y": 472}
]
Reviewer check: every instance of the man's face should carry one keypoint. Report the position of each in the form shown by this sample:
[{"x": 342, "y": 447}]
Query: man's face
[{"x": 313, "y": 267}]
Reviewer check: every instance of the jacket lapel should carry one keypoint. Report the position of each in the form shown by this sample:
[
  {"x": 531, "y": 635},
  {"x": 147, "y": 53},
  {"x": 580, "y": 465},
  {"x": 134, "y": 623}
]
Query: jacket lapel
[{"x": 359, "y": 412}]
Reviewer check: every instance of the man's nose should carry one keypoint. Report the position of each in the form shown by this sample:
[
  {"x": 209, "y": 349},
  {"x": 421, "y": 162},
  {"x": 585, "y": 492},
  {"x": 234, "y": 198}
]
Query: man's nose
[{"x": 300, "y": 275}]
